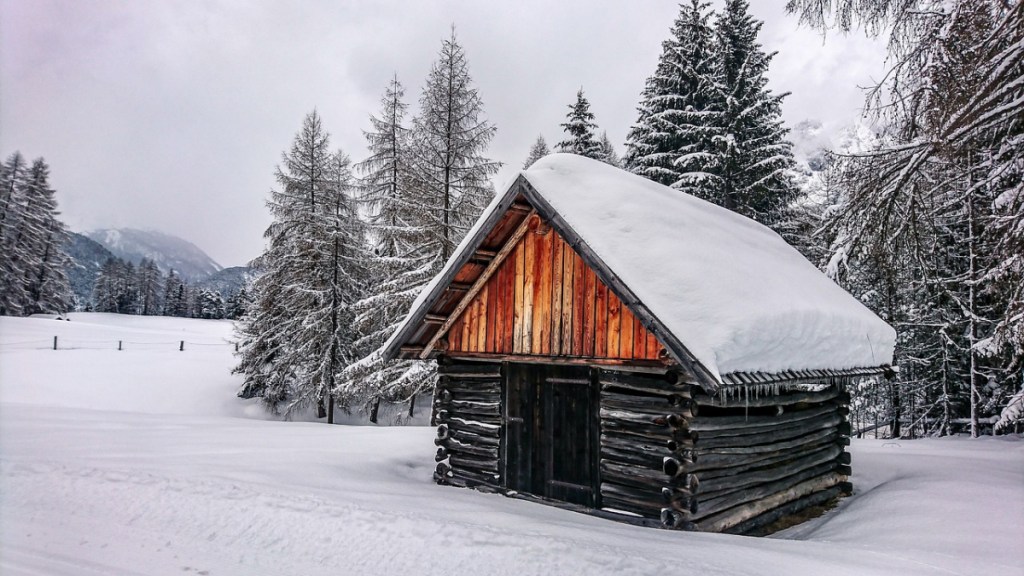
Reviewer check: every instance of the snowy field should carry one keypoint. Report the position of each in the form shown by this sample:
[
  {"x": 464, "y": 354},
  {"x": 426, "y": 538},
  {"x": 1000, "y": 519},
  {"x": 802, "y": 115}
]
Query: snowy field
[{"x": 142, "y": 461}]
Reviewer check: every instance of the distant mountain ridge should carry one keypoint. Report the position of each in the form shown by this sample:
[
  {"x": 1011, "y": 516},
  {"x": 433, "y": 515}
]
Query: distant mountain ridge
[
  {"x": 87, "y": 257},
  {"x": 166, "y": 250}
]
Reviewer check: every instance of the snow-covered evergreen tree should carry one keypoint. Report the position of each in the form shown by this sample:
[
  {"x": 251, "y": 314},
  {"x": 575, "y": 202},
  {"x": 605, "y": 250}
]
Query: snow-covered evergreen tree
[
  {"x": 672, "y": 140},
  {"x": 930, "y": 212},
  {"x": 44, "y": 239},
  {"x": 399, "y": 265},
  {"x": 608, "y": 155},
  {"x": 13, "y": 293},
  {"x": 150, "y": 283},
  {"x": 32, "y": 239},
  {"x": 579, "y": 129},
  {"x": 752, "y": 157},
  {"x": 451, "y": 183},
  {"x": 300, "y": 333},
  {"x": 175, "y": 299},
  {"x": 537, "y": 151}
]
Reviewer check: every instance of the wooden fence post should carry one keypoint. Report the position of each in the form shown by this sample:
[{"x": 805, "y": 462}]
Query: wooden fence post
[
  {"x": 181, "y": 346},
  {"x": 54, "y": 342},
  {"x": 119, "y": 345}
]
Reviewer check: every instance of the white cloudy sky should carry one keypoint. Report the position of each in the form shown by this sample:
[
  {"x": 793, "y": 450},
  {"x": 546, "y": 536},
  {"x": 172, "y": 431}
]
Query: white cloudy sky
[{"x": 173, "y": 114}]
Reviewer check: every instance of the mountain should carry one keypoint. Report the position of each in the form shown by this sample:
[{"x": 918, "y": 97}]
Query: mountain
[
  {"x": 166, "y": 250},
  {"x": 227, "y": 281},
  {"x": 87, "y": 256}
]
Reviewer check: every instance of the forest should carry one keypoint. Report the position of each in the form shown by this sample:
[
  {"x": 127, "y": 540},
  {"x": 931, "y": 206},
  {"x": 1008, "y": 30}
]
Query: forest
[{"x": 923, "y": 222}]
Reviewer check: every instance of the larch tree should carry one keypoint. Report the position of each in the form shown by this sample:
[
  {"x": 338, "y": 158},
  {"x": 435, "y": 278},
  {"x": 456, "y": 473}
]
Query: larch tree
[
  {"x": 300, "y": 335},
  {"x": 398, "y": 266},
  {"x": 32, "y": 240},
  {"x": 537, "y": 151},
  {"x": 672, "y": 140},
  {"x": 579, "y": 129},
  {"x": 450, "y": 184}
]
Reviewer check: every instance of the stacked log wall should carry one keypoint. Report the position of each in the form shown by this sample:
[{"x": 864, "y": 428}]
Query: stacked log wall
[
  {"x": 768, "y": 452},
  {"x": 637, "y": 438},
  {"x": 734, "y": 463},
  {"x": 470, "y": 432}
]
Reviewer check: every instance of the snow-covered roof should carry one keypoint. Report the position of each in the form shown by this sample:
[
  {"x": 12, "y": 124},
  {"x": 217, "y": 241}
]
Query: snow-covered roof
[{"x": 732, "y": 292}]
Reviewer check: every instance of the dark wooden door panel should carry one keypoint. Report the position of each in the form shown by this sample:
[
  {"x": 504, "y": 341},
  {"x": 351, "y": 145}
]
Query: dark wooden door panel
[{"x": 551, "y": 419}]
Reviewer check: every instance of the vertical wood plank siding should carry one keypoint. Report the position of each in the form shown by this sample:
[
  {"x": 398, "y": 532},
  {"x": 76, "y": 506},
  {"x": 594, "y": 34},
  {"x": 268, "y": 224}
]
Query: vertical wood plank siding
[{"x": 545, "y": 301}]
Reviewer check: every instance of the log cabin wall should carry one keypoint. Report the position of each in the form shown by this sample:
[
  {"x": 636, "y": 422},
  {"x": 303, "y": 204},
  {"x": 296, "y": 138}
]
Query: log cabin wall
[
  {"x": 470, "y": 431},
  {"x": 543, "y": 300},
  {"x": 765, "y": 454},
  {"x": 720, "y": 464}
]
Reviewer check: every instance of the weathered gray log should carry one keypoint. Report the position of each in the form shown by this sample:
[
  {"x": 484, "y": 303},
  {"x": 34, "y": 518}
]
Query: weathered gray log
[
  {"x": 678, "y": 464},
  {"x": 471, "y": 408},
  {"x": 783, "y": 433},
  {"x": 472, "y": 464},
  {"x": 618, "y": 442},
  {"x": 685, "y": 484},
  {"x": 625, "y": 473},
  {"x": 742, "y": 432},
  {"x": 469, "y": 369},
  {"x": 636, "y": 401},
  {"x": 667, "y": 383},
  {"x": 844, "y": 470},
  {"x": 646, "y": 506},
  {"x": 444, "y": 396},
  {"x": 713, "y": 505},
  {"x": 730, "y": 517},
  {"x": 675, "y": 520},
  {"x": 442, "y": 472},
  {"x": 755, "y": 526},
  {"x": 632, "y": 456},
  {"x": 844, "y": 458},
  {"x": 469, "y": 438},
  {"x": 714, "y": 426},
  {"x": 472, "y": 479},
  {"x": 714, "y": 466},
  {"x": 478, "y": 425},
  {"x": 764, "y": 475},
  {"x": 617, "y": 420},
  {"x": 452, "y": 446},
  {"x": 812, "y": 436},
  {"x": 769, "y": 400}
]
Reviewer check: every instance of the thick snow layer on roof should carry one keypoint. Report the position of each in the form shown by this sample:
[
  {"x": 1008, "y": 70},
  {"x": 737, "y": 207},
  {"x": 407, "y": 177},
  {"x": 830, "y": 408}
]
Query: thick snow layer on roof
[{"x": 736, "y": 295}]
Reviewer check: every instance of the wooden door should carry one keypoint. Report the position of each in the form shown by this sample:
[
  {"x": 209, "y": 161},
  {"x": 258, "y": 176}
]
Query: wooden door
[{"x": 552, "y": 432}]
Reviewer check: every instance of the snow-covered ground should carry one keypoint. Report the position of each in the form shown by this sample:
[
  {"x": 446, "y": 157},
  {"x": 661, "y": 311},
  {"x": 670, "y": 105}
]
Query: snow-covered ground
[{"x": 143, "y": 462}]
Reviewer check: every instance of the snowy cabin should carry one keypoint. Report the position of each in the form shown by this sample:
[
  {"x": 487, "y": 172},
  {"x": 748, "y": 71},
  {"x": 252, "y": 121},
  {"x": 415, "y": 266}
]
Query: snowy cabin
[{"x": 608, "y": 344}]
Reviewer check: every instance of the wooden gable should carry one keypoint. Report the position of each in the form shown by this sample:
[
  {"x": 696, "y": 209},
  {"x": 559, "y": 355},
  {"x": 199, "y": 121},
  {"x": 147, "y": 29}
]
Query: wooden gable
[{"x": 543, "y": 300}]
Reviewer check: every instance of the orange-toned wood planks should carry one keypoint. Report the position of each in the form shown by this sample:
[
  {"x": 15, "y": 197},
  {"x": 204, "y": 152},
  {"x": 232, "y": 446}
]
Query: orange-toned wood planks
[{"x": 543, "y": 300}]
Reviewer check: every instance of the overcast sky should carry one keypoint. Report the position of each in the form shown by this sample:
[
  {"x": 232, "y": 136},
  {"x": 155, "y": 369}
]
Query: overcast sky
[{"x": 172, "y": 115}]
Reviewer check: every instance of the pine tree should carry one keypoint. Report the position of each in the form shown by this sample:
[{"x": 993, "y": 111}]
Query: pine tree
[
  {"x": 398, "y": 263},
  {"x": 105, "y": 289},
  {"x": 672, "y": 140},
  {"x": 150, "y": 283},
  {"x": 751, "y": 156},
  {"x": 537, "y": 151},
  {"x": 607, "y": 153},
  {"x": 579, "y": 130},
  {"x": 175, "y": 300},
  {"x": 451, "y": 183},
  {"x": 300, "y": 333}
]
